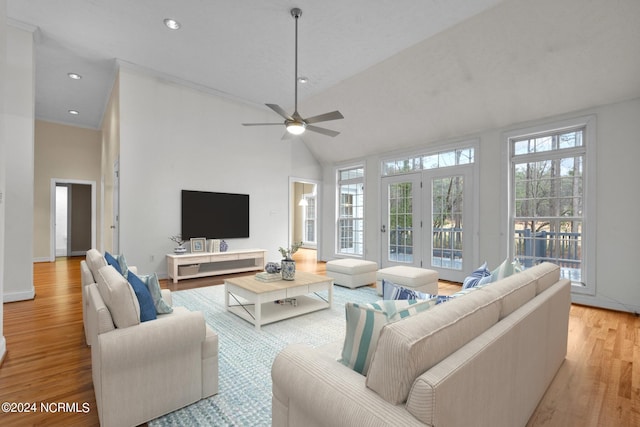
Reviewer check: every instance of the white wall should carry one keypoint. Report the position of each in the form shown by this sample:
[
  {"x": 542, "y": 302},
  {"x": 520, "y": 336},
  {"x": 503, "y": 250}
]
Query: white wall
[
  {"x": 173, "y": 138},
  {"x": 18, "y": 198},
  {"x": 618, "y": 232},
  {"x": 66, "y": 153}
]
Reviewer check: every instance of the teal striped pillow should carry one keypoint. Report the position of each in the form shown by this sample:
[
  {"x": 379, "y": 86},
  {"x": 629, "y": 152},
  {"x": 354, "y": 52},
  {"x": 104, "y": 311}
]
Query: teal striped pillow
[{"x": 364, "y": 323}]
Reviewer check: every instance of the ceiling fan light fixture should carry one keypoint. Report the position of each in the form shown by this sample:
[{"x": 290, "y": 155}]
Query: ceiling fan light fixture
[
  {"x": 172, "y": 24},
  {"x": 296, "y": 128}
]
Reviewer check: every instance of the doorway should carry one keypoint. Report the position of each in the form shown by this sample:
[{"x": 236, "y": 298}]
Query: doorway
[
  {"x": 73, "y": 221},
  {"x": 304, "y": 205}
]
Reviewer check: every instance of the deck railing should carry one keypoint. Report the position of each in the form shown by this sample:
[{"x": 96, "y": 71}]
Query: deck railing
[{"x": 561, "y": 248}]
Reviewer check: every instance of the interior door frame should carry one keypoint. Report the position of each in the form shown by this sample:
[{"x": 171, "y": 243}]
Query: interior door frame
[{"x": 52, "y": 212}]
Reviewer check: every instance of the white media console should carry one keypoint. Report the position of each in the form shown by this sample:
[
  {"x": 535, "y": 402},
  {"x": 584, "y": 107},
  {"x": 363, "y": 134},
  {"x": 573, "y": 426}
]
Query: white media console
[{"x": 202, "y": 264}]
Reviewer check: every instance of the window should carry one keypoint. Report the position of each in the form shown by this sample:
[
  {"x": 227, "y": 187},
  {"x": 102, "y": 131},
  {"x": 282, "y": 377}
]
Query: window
[
  {"x": 442, "y": 159},
  {"x": 350, "y": 221},
  {"x": 549, "y": 209},
  {"x": 309, "y": 216}
]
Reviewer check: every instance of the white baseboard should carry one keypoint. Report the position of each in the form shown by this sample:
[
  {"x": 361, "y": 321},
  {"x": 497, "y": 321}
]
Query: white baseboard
[
  {"x": 19, "y": 296},
  {"x": 42, "y": 259},
  {"x": 604, "y": 303}
]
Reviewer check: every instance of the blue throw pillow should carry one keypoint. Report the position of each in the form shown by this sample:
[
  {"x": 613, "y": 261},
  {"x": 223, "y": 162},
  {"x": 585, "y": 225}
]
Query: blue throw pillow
[
  {"x": 112, "y": 261},
  {"x": 147, "y": 308},
  {"x": 118, "y": 262},
  {"x": 391, "y": 291},
  {"x": 474, "y": 278},
  {"x": 443, "y": 298}
]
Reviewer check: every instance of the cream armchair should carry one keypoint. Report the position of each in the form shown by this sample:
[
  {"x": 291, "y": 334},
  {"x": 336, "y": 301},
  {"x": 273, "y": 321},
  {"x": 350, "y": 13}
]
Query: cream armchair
[{"x": 144, "y": 370}]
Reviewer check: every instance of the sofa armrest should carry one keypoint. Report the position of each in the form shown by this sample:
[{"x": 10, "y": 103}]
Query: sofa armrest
[
  {"x": 121, "y": 348},
  {"x": 166, "y": 296},
  {"x": 98, "y": 316},
  {"x": 156, "y": 364},
  {"x": 311, "y": 388}
]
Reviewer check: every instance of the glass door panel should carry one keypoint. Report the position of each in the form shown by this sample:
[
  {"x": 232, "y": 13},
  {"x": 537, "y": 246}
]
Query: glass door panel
[
  {"x": 447, "y": 222},
  {"x": 448, "y": 200},
  {"x": 401, "y": 226}
]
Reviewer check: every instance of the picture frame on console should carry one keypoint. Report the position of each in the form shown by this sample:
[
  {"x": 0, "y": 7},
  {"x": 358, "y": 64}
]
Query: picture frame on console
[{"x": 198, "y": 244}]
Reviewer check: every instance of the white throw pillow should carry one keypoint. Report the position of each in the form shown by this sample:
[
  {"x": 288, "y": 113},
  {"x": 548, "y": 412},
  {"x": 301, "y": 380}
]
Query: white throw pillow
[{"x": 119, "y": 297}]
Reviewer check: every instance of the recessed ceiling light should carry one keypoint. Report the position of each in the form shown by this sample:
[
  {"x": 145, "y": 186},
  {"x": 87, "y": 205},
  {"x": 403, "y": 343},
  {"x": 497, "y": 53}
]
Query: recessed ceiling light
[
  {"x": 74, "y": 76},
  {"x": 172, "y": 24},
  {"x": 303, "y": 79},
  {"x": 74, "y": 112}
]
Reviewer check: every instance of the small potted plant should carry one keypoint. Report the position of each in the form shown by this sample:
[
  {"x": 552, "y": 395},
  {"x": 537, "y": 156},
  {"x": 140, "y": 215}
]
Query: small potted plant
[
  {"x": 177, "y": 239},
  {"x": 288, "y": 268}
]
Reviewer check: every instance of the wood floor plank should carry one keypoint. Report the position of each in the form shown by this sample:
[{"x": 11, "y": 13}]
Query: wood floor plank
[{"x": 48, "y": 362}]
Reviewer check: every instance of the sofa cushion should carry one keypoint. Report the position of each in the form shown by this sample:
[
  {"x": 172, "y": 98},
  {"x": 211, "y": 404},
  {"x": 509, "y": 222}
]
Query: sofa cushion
[
  {"x": 546, "y": 275},
  {"x": 95, "y": 261},
  {"x": 411, "y": 346},
  {"x": 392, "y": 291},
  {"x": 147, "y": 307},
  {"x": 364, "y": 322},
  {"x": 513, "y": 292},
  {"x": 472, "y": 280},
  {"x": 119, "y": 297},
  {"x": 152, "y": 283}
]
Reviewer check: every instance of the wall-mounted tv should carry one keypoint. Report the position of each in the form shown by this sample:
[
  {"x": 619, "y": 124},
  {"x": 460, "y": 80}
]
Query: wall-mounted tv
[{"x": 214, "y": 215}]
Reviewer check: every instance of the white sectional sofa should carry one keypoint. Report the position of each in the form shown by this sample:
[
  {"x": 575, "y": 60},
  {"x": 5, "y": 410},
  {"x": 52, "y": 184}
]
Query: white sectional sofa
[
  {"x": 482, "y": 359},
  {"x": 143, "y": 370}
]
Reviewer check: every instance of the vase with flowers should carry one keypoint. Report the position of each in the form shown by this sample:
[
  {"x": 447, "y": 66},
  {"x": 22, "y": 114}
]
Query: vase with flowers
[
  {"x": 288, "y": 265},
  {"x": 177, "y": 239}
]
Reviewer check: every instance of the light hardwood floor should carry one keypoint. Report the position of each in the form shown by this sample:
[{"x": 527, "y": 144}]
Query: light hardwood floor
[{"x": 48, "y": 361}]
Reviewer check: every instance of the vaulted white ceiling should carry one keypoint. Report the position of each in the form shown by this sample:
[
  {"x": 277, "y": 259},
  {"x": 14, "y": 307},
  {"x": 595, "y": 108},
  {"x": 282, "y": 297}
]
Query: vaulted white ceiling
[{"x": 403, "y": 73}]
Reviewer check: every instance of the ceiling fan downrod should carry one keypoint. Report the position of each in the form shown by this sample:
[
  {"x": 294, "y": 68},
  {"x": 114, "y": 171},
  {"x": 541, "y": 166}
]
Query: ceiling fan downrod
[{"x": 296, "y": 13}]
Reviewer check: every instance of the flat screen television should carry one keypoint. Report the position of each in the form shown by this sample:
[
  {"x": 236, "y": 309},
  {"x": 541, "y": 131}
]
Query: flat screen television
[{"x": 214, "y": 215}]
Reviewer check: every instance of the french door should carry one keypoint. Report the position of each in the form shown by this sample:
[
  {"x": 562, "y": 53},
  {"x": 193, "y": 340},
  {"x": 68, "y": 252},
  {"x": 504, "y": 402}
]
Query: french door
[
  {"x": 401, "y": 227},
  {"x": 427, "y": 221}
]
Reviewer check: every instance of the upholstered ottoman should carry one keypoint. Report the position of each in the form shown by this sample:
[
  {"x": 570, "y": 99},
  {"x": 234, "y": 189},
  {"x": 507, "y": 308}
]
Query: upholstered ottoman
[
  {"x": 420, "y": 279},
  {"x": 352, "y": 273}
]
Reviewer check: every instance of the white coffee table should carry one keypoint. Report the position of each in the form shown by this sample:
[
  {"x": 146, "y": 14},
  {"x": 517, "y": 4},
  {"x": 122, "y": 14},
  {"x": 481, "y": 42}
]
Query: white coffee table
[{"x": 254, "y": 301}]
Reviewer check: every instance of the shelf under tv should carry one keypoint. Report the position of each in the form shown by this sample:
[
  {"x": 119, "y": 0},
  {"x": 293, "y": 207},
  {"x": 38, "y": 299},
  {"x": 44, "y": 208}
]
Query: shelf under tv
[{"x": 215, "y": 263}]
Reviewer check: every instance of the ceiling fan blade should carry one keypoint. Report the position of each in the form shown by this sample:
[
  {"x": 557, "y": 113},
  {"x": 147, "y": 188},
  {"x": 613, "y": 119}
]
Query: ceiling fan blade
[
  {"x": 261, "y": 124},
  {"x": 278, "y": 109},
  {"x": 323, "y": 131},
  {"x": 334, "y": 115}
]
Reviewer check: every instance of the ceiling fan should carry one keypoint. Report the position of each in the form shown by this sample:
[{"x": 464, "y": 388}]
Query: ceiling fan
[{"x": 295, "y": 123}]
